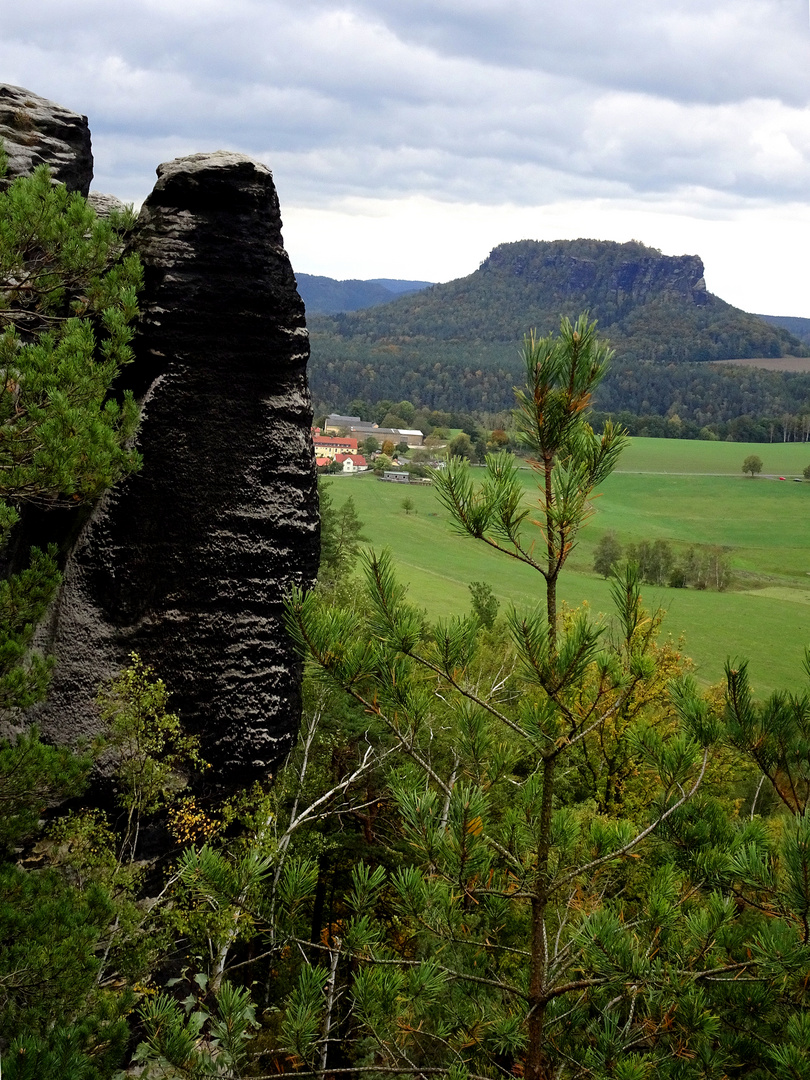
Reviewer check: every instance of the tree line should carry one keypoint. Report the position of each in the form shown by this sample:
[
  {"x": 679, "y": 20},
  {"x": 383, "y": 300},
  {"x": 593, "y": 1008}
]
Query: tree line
[
  {"x": 676, "y": 401},
  {"x": 655, "y": 561}
]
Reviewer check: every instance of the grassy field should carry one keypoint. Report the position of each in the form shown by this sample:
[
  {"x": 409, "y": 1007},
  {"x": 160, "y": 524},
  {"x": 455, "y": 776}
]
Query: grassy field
[
  {"x": 685, "y": 492},
  {"x": 712, "y": 458},
  {"x": 772, "y": 363}
]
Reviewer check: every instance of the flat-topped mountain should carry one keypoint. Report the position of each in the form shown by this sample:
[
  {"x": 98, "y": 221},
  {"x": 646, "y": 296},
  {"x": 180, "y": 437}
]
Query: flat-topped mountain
[
  {"x": 455, "y": 345},
  {"x": 651, "y": 306}
]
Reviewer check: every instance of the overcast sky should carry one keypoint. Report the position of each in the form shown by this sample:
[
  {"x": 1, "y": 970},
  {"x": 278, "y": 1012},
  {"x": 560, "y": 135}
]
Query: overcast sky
[{"x": 409, "y": 137}]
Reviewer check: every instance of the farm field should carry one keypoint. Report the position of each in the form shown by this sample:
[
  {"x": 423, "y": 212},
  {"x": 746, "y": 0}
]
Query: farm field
[
  {"x": 771, "y": 363},
  {"x": 699, "y": 456},
  {"x": 659, "y": 492}
]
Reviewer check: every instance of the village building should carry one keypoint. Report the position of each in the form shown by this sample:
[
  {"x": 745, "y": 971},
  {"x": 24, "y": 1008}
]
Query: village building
[
  {"x": 329, "y": 446},
  {"x": 352, "y": 463},
  {"x": 361, "y": 429}
]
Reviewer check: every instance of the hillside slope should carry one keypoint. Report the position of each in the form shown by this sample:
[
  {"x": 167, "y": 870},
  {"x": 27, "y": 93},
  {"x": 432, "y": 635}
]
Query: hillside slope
[
  {"x": 794, "y": 324},
  {"x": 328, "y": 296}
]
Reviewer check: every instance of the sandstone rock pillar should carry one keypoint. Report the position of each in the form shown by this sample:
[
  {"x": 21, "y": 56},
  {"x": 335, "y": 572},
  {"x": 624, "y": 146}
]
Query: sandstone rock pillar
[
  {"x": 187, "y": 562},
  {"x": 36, "y": 131}
]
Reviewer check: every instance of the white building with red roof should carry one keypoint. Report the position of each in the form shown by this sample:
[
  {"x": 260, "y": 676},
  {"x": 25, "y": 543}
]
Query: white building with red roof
[{"x": 352, "y": 462}]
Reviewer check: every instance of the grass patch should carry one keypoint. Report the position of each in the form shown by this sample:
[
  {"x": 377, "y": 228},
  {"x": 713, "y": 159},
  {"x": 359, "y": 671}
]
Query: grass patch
[
  {"x": 762, "y": 523},
  {"x": 708, "y": 458}
]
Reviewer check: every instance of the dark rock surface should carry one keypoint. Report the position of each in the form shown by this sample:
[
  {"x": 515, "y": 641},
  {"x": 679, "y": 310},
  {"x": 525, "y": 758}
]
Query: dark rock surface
[
  {"x": 187, "y": 562},
  {"x": 623, "y": 272},
  {"x": 35, "y": 131}
]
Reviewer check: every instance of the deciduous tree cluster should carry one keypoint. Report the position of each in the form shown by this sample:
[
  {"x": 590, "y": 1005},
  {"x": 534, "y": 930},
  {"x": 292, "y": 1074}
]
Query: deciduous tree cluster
[{"x": 697, "y": 567}]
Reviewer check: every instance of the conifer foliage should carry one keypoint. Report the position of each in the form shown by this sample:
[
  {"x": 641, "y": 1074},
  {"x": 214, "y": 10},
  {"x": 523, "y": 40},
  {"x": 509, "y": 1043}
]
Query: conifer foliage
[
  {"x": 67, "y": 304},
  {"x": 529, "y": 945},
  {"x": 68, "y": 299}
]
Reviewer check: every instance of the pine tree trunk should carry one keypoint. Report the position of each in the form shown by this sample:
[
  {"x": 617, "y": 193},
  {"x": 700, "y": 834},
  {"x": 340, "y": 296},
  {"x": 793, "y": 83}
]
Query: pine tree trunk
[
  {"x": 537, "y": 1064},
  {"x": 551, "y": 550}
]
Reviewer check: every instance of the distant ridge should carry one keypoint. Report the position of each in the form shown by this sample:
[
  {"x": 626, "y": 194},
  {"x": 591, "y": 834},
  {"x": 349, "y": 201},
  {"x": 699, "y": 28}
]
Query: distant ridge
[
  {"x": 396, "y": 285},
  {"x": 328, "y": 296},
  {"x": 794, "y": 324}
]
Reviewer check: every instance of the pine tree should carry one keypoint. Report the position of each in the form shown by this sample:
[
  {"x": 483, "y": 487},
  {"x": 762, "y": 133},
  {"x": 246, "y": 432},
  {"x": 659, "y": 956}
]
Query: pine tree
[
  {"x": 341, "y": 535},
  {"x": 485, "y": 604},
  {"x": 67, "y": 306},
  {"x": 532, "y": 944},
  {"x": 561, "y": 376}
]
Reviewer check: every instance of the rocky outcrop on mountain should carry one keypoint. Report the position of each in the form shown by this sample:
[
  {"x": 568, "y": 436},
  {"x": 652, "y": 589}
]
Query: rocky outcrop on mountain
[
  {"x": 188, "y": 561},
  {"x": 630, "y": 274},
  {"x": 35, "y": 131}
]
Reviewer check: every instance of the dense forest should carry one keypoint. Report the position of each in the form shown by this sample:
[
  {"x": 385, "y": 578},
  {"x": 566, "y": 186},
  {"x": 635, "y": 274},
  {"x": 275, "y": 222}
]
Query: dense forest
[
  {"x": 455, "y": 346},
  {"x": 477, "y": 378},
  {"x": 326, "y": 296}
]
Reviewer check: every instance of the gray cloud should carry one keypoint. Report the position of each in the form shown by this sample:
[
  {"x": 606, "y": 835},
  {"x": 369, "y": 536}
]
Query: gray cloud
[{"x": 523, "y": 101}]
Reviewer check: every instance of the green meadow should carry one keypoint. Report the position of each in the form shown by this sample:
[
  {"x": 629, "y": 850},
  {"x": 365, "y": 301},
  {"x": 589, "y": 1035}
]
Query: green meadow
[
  {"x": 683, "y": 491},
  {"x": 697, "y": 456}
]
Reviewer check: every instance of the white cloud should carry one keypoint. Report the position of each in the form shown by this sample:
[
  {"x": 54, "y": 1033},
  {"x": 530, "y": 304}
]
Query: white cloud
[
  {"x": 754, "y": 258},
  {"x": 691, "y": 117}
]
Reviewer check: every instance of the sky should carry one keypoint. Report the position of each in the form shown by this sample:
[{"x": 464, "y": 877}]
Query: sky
[{"x": 407, "y": 138}]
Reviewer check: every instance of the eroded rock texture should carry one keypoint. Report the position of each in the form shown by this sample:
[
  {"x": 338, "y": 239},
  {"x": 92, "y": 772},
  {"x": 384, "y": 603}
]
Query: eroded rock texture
[
  {"x": 626, "y": 278},
  {"x": 35, "y": 131},
  {"x": 188, "y": 561}
]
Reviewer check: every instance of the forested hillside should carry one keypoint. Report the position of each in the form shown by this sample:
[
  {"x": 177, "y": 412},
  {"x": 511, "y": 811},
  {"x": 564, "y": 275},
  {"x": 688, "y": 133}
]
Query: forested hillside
[
  {"x": 325, "y": 295},
  {"x": 454, "y": 346},
  {"x": 799, "y": 327}
]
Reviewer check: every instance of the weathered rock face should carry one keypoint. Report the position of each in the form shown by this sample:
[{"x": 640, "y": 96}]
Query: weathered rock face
[
  {"x": 188, "y": 561},
  {"x": 36, "y": 131},
  {"x": 627, "y": 274},
  {"x": 105, "y": 204}
]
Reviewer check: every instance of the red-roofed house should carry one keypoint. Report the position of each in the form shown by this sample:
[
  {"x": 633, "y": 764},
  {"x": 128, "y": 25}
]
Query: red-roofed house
[
  {"x": 352, "y": 462},
  {"x": 329, "y": 445}
]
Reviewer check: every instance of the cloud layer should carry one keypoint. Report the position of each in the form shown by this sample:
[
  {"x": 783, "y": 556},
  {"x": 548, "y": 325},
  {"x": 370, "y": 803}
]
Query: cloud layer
[{"x": 488, "y": 103}]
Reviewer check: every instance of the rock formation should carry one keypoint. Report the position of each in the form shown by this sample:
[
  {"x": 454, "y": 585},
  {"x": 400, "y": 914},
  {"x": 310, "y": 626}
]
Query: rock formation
[
  {"x": 104, "y": 204},
  {"x": 35, "y": 131},
  {"x": 187, "y": 562},
  {"x": 628, "y": 273}
]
